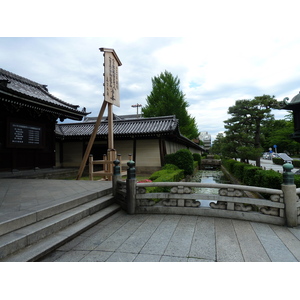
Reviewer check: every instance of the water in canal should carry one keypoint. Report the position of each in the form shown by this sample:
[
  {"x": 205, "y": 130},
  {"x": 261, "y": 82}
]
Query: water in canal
[{"x": 209, "y": 176}]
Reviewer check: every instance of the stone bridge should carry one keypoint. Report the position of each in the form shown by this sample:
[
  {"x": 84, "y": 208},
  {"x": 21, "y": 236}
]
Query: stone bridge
[{"x": 279, "y": 207}]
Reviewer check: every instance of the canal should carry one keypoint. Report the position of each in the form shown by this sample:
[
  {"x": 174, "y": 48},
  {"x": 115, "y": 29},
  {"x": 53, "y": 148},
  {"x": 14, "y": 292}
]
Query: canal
[{"x": 209, "y": 176}]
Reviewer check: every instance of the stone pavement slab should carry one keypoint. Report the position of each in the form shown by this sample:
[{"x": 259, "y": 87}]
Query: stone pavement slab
[
  {"x": 158, "y": 242},
  {"x": 180, "y": 242},
  {"x": 252, "y": 249},
  {"x": 204, "y": 241},
  {"x": 276, "y": 249},
  {"x": 176, "y": 238},
  {"x": 227, "y": 245}
]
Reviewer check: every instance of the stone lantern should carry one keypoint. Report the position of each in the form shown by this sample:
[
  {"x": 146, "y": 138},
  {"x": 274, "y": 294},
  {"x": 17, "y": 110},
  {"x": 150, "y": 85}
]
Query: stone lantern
[{"x": 294, "y": 105}]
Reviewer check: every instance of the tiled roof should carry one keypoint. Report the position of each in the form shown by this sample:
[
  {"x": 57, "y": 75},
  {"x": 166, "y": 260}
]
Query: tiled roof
[
  {"x": 23, "y": 87},
  {"x": 127, "y": 127},
  {"x": 167, "y": 126}
]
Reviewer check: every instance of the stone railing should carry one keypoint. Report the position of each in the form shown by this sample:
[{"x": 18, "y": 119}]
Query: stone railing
[{"x": 281, "y": 208}]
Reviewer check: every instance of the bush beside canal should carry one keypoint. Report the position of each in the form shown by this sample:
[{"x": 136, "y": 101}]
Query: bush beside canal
[{"x": 254, "y": 176}]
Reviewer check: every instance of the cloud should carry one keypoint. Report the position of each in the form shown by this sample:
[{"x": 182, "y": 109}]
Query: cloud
[{"x": 229, "y": 50}]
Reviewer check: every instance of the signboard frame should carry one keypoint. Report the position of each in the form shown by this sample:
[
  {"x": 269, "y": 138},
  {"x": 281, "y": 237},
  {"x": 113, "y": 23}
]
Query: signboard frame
[
  {"x": 111, "y": 76},
  {"x": 25, "y": 134}
]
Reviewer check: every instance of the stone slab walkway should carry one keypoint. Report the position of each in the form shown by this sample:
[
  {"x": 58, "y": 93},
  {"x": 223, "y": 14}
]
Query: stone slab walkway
[{"x": 175, "y": 238}]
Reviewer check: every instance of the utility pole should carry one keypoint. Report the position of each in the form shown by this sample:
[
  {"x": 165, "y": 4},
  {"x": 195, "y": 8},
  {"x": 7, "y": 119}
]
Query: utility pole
[{"x": 137, "y": 108}]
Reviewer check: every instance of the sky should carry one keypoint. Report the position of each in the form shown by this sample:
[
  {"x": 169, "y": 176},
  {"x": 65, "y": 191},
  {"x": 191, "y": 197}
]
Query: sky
[{"x": 221, "y": 51}]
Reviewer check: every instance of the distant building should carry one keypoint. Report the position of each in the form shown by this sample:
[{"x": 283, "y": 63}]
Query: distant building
[{"x": 206, "y": 139}]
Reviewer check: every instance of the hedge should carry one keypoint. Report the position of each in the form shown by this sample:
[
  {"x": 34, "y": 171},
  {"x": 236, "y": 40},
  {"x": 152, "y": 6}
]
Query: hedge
[
  {"x": 280, "y": 161},
  {"x": 254, "y": 176},
  {"x": 183, "y": 159},
  {"x": 197, "y": 158},
  {"x": 168, "y": 173}
]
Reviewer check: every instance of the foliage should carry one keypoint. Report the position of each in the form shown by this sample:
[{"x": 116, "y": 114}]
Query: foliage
[
  {"x": 183, "y": 159},
  {"x": 248, "y": 175},
  {"x": 169, "y": 173},
  {"x": 254, "y": 176},
  {"x": 216, "y": 147},
  {"x": 197, "y": 157},
  {"x": 278, "y": 132},
  {"x": 278, "y": 161},
  {"x": 243, "y": 129},
  {"x": 166, "y": 99}
]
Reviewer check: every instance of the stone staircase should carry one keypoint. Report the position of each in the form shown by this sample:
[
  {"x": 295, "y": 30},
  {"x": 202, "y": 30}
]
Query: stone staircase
[{"x": 33, "y": 235}]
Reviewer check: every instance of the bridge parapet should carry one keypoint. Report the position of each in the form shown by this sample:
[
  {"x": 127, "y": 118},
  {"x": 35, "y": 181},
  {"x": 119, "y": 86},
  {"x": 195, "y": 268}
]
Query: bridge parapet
[{"x": 280, "y": 207}]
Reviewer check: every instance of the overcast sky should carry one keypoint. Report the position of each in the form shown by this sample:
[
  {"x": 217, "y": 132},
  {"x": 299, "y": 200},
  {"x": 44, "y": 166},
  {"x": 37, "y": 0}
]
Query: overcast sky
[{"x": 221, "y": 51}]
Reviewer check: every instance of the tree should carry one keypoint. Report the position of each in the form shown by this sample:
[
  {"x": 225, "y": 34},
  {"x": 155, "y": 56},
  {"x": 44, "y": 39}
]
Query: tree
[
  {"x": 217, "y": 144},
  {"x": 244, "y": 128},
  {"x": 278, "y": 132},
  {"x": 166, "y": 99}
]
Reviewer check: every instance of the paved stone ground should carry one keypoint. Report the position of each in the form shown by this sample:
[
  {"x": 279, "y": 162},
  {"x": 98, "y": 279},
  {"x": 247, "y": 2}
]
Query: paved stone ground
[{"x": 175, "y": 238}]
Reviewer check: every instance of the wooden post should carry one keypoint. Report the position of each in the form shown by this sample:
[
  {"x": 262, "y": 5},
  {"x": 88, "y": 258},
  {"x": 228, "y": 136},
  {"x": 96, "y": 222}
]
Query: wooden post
[
  {"x": 91, "y": 141},
  {"x": 110, "y": 127},
  {"x": 111, "y": 157},
  {"x": 91, "y": 167}
]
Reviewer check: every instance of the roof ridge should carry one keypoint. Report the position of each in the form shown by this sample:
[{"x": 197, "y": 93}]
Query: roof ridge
[
  {"x": 21, "y": 78},
  {"x": 41, "y": 87}
]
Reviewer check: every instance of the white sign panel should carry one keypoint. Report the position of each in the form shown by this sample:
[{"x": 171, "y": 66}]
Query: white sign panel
[{"x": 111, "y": 76}]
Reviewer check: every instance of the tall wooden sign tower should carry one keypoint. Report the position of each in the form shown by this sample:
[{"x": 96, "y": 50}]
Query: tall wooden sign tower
[{"x": 111, "y": 97}]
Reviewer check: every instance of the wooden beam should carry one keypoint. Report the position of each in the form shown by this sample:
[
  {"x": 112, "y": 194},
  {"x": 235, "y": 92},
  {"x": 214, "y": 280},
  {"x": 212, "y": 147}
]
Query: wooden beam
[
  {"x": 110, "y": 127},
  {"x": 91, "y": 141}
]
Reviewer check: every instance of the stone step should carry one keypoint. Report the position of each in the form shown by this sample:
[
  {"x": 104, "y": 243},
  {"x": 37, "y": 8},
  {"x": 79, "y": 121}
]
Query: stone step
[
  {"x": 16, "y": 220},
  {"x": 30, "y": 234},
  {"x": 50, "y": 243}
]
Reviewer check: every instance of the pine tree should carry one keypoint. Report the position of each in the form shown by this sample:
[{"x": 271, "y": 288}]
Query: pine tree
[{"x": 244, "y": 128}]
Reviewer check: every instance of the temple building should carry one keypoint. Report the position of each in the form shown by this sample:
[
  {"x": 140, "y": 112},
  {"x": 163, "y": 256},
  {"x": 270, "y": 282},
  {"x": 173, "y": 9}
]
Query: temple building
[
  {"x": 148, "y": 140},
  {"x": 28, "y": 115},
  {"x": 32, "y": 138},
  {"x": 294, "y": 105}
]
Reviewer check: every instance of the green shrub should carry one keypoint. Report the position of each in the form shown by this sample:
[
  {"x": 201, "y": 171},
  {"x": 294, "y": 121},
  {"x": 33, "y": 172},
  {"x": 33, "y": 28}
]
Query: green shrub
[
  {"x": 229, "y": 164},
  {"x": 278, "y": 161},
  {"x": 297, "y": 181},
  {"x": 271, "y": 179},
  {"x": 169, "y": 167},
  {"x": 183, "y": 159},
  {"x": 170, "y": 159},
  {"x": 296, "y": 163},
  {"x": 254, "y": 176},
  {"x": 197, "y": 157},
  {"x": 258, "y": 177},
  {"x": 169, "y": 173},
  {"x": 249, "y": 173},
  {"x": 238, "y": 170}
]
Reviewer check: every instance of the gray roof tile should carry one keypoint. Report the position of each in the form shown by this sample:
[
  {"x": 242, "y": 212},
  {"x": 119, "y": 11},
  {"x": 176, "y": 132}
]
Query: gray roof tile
[
  {"x": 127, "y": 127},
  {"x": 21, "y": 86}
]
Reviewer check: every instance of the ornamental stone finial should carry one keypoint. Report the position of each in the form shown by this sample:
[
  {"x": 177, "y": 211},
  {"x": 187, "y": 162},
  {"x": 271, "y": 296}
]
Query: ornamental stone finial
[
  {"x": 288, "y": 175},
  {"x": 131, "y": 169}
]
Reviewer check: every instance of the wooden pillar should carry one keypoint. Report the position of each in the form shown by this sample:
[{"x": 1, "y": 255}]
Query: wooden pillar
[{"x": 91, "y": 141}]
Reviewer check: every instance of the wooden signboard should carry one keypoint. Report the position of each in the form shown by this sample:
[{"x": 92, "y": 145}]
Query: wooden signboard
[
  {"x": 111, "y": 97},
  {"x": 111, "y": 76}
]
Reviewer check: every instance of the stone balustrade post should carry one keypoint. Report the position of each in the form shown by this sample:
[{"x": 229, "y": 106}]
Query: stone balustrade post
[
  {"x": 116, "y": 176},
  {"x": 289, "y": 195},
  {"x": 131, "y": 187}
]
